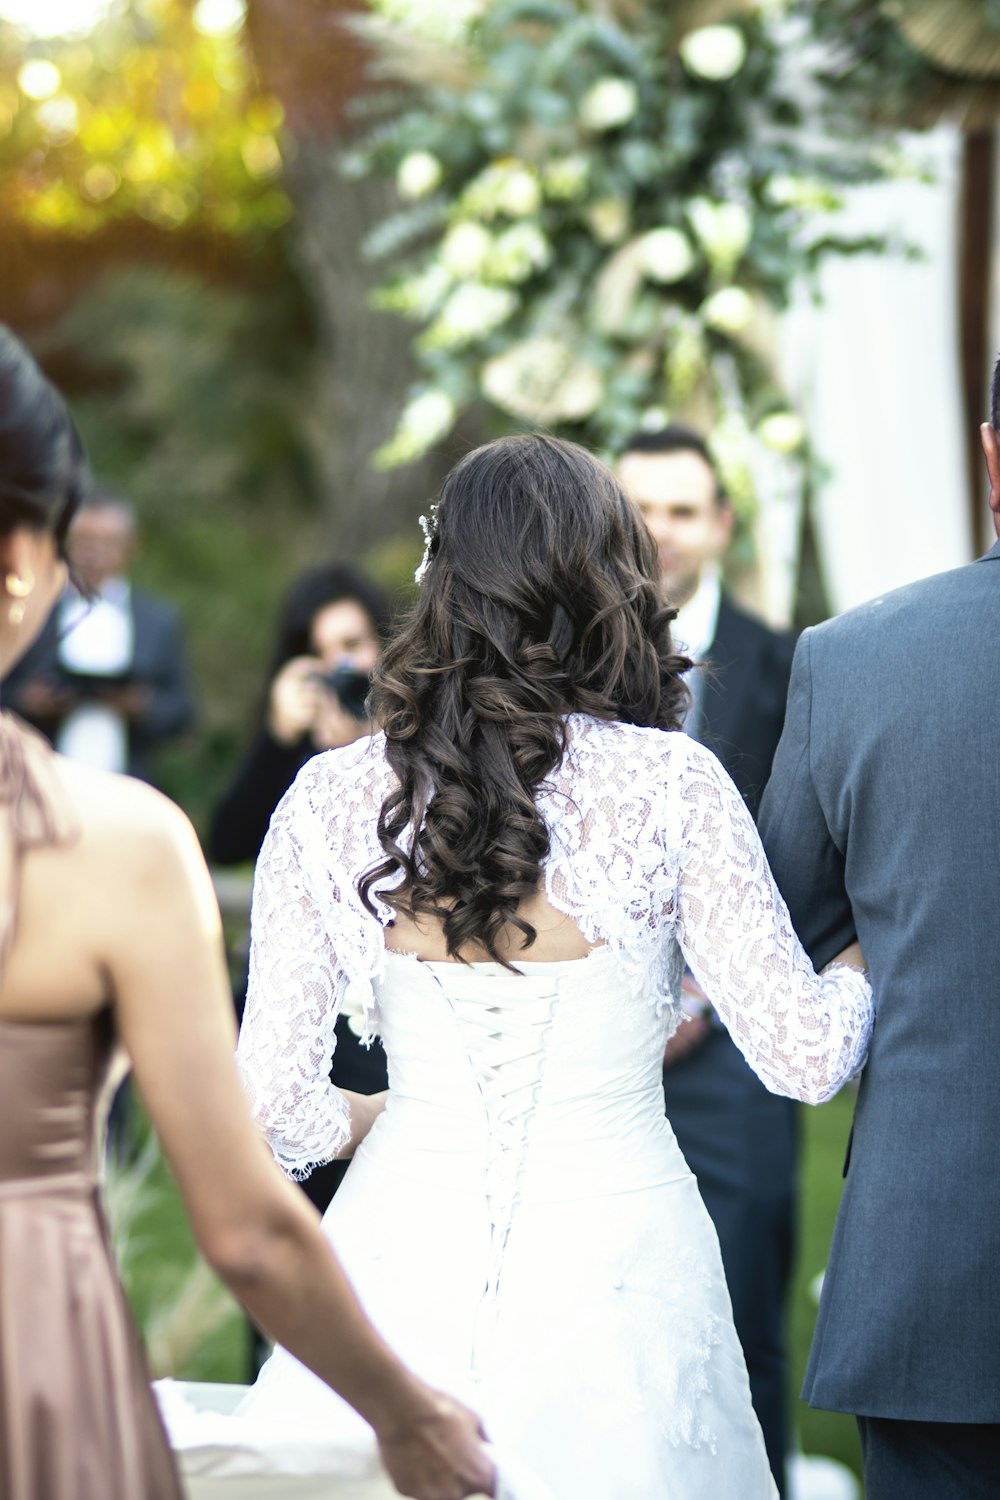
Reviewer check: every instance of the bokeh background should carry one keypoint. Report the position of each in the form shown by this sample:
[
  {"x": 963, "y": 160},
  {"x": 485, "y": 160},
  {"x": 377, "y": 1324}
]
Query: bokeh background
[{"x": 290, "y": 258}]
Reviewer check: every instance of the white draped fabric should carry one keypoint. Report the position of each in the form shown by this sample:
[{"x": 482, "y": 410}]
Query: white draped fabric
[{"x": 874, "y": 372}]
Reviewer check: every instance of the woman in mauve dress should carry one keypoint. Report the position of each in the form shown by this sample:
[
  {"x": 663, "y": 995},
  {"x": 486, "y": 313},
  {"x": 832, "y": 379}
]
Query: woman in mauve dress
[{"x": 110, "y": 949}]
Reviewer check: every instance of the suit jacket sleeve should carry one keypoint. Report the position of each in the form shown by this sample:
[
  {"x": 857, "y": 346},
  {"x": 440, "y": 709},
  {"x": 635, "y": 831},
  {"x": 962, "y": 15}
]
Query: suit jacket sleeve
[
  {"x": 807, "y": 864},
  {"x": 171, "y": 707}
]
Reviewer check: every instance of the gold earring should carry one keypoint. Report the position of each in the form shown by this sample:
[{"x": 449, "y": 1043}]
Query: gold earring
[{"x": 19, "y": 589}]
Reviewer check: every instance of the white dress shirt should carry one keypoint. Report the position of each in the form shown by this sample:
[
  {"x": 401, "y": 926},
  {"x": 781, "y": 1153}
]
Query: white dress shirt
[
  {"x": 693, "y": 632},
  {"x": 97, "y": 638}
]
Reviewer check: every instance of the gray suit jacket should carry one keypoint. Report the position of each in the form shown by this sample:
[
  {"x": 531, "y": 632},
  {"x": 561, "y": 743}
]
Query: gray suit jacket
[{"x": 882, "y": 818}]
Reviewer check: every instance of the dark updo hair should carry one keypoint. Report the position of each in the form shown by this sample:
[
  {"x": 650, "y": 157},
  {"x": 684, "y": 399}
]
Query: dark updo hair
[
  {"x": 541, "y": 599},
  {"x": 41, "y": 456}
]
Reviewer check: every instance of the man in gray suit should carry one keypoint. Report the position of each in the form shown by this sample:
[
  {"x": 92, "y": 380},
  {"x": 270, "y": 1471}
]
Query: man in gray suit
[{"x": 881, "y": 821}]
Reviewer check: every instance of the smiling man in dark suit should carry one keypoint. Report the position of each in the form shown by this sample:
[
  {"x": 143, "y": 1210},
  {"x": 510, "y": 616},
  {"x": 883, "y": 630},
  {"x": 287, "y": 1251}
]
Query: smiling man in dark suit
[{"x": 738, "y": 1139}]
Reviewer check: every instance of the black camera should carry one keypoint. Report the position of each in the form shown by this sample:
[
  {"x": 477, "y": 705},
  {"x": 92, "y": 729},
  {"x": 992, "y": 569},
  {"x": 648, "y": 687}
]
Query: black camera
[{"x": 349, "y": 687}]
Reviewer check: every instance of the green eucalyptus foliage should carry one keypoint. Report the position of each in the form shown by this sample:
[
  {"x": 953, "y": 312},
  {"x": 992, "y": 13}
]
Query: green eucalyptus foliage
[{"x": 600, "y": 207}]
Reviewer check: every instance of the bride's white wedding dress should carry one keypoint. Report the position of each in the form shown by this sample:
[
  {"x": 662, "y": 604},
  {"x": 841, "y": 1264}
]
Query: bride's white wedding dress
[{"x": 520, "y": 1223}]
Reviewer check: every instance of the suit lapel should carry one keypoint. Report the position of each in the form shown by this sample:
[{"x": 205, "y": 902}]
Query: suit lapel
[{"x": 725, "y": 691}]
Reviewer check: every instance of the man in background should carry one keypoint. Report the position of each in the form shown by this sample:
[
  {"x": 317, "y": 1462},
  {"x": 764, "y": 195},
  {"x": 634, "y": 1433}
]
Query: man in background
[
  {"x": 108, "y": 680},
  {"x": 738, "y": 1139}
]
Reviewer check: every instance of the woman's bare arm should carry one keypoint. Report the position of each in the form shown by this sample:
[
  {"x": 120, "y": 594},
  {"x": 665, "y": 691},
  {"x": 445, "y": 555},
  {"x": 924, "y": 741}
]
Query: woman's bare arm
[{"x": 167, "y": 975}]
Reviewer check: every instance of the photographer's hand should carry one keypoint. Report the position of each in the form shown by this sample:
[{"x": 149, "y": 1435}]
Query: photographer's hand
[
  {"x": 295, "y": 699},
  {"x": 334, "y": 726}
]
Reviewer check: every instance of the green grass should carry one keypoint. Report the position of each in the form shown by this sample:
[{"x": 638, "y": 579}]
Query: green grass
[
  {"x": 195, "y": 1338},
  {"x": 824, "y": 1140}
]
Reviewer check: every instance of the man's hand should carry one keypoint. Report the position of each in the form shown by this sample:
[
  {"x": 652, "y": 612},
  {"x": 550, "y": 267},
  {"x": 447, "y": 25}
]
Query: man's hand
[
  {"x": 131, "y": 701},
  {"x": 688, "y": 1037},
  {"x": 43, "y": 700},
  {"x": 696, "y": 1025}
]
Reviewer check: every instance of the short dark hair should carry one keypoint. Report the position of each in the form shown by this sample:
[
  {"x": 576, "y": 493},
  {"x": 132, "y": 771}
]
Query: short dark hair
[
  {"x": 101, "y": 496},
  {"x": 677, "y": 437},
  {"x": 995, "y": 398}
]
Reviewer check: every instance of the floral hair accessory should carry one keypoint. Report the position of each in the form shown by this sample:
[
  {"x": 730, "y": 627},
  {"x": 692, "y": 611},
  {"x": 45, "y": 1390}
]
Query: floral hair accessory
[{"x": 429, "y": 527}]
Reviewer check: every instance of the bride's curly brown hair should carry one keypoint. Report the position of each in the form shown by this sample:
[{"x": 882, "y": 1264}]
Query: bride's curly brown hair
[{"x": 540, "y": 599}]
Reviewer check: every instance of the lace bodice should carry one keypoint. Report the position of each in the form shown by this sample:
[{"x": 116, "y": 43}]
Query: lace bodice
[{"x": 653, "y": 853}]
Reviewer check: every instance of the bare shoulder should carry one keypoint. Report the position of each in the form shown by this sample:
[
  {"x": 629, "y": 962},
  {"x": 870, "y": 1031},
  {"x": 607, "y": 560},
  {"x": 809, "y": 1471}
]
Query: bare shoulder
[{"x": 125, "y": 819}]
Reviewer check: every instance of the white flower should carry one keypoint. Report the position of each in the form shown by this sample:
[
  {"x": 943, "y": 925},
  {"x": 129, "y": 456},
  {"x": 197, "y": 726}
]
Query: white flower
[
  {"x": 729, "y": 310},
  {"x": 723, "y": 230},
  {"x": 465, "y": 249},
  {"x": 432, "y": 414},
  {"x": 565, "y": 177},
  {"x": 665, "y": 255},
  {"x": 418, "y": 174},
  {"x": 783, "y": 431},
  {"x": 714, "y": 53},
  {"x": 423, "y": 420},
  {"x": 471, "y": 312},
  {"x": 518, "y": 253},
  {"x": 543, "y": 380},
  {"x": 608, "y": 103},
  {"x": 520, "y": 194},
  {"x": 608, "y": 220},
  {"x": 505, "y": 187}
]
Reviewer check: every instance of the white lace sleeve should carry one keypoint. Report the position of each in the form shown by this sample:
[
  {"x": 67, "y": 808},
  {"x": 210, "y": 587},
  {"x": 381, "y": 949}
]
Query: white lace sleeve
[
  {"x": 804, "y": 1034},
  {"x": 296, "y": 984}
]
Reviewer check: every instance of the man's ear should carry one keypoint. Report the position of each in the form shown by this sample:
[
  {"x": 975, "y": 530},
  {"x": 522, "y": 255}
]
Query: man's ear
[{"x": 991, "y": 448}]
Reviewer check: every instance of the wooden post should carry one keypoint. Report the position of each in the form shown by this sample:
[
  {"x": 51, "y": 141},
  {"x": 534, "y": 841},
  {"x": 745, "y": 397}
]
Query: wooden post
[{"x": 974, "y": 266}]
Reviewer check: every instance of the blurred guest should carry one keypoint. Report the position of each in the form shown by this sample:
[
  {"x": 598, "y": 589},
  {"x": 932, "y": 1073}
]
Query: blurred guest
[
  {"x": 330, "y": 630},
  {"x": 107, "y": 682},
  {"x": 738, "y": 1138},
  {"x": 331, "y": 626}
]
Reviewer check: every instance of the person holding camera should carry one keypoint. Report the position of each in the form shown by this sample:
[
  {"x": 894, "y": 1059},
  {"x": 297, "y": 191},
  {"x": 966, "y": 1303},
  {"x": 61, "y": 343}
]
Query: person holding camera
[{"x": 330, "y": 632}]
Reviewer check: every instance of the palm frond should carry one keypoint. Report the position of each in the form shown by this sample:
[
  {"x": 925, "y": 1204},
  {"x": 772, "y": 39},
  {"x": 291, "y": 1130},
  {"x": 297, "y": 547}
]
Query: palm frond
[
  {"x": 399, "y": 55},
  {"x": 961, "y": 37}
]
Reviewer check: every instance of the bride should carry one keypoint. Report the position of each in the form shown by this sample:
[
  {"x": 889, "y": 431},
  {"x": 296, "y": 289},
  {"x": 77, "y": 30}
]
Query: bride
[{"x": 506, "y": 883}]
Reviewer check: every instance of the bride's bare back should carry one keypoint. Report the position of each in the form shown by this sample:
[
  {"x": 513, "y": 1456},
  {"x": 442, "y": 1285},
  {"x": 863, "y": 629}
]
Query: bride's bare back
[{"x": 557, "y": 937}]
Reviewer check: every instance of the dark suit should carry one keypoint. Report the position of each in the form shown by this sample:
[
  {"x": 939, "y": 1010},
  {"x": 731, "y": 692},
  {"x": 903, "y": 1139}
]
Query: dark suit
[
  {"x": 739, "y": 1140},
  {"x": 881, "y": 820},
  {"x": 159, "y": 664}
]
